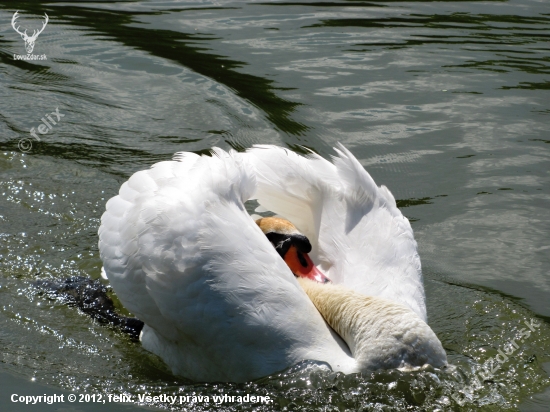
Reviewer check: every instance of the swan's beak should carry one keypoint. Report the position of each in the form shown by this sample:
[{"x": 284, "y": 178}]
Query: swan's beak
[{"x": 301, "y": 265}]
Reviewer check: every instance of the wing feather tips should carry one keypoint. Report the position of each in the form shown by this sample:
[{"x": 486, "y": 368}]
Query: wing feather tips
[
  {"x": 388, "y": 196},
  {"x": 359, "y": 182},
  {"x": 185, "y": 157},
  {"x": 364, "y": 191}
]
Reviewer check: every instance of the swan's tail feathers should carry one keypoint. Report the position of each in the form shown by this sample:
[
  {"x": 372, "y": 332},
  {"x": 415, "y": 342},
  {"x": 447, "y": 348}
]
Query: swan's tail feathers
[
  {"x": 359, "y": 236},
  {"x": 91, "y": 297}
]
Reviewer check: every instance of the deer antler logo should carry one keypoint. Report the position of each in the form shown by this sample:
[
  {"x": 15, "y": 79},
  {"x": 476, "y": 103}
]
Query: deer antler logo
[{"x": 29, "y": 40}]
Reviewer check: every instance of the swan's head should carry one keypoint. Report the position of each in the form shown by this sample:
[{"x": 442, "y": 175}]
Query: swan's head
[{"x": 292, "y": 246}]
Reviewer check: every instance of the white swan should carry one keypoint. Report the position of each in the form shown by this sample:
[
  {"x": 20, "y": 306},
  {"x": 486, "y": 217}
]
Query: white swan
[{"x": 218, "y": 301}]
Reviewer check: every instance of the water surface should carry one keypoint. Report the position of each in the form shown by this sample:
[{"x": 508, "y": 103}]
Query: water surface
[{"x": 446, "y": 103}]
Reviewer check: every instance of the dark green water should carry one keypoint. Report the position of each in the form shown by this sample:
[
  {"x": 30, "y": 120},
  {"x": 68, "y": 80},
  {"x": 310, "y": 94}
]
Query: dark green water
[{"x": 446, "y": 103}]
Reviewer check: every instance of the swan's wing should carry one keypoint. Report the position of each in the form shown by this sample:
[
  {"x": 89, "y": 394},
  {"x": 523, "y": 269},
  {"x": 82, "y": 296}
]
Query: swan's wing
[
  {"x": 184, "y": 256},
  {"x": 359, "y": 236}
]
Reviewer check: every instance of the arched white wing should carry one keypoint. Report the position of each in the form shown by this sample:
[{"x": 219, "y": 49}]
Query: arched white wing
[
  {"x": 359, "y": 236},
  {"x": 184, "y": 256}
]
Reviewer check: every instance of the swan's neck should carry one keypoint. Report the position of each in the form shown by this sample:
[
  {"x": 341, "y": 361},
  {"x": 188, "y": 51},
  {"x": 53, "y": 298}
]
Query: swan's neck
[{"x": 381, "y": 334}]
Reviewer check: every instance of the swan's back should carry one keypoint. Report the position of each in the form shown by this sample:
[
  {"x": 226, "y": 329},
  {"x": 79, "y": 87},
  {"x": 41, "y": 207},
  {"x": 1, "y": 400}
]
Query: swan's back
[{"x": 183, "y": 255}]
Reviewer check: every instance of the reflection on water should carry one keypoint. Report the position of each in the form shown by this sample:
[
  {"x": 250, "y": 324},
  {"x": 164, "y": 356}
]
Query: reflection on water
[
  {"x": 188, "y": 49},
  {"x": 471, "y": 32},
  {"x": 443, "y": 102}
]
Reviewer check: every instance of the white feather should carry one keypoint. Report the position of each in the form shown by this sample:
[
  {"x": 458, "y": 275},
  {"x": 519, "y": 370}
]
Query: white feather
[
  {"x": 185, "y": 257},
  {"x": 359, "y": 236},
  {"x": 218, "y": 302}
]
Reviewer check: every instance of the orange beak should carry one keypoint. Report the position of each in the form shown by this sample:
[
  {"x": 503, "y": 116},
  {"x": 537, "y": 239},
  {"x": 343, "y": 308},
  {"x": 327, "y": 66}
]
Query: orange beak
[{"x": 301, "y": 265}]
